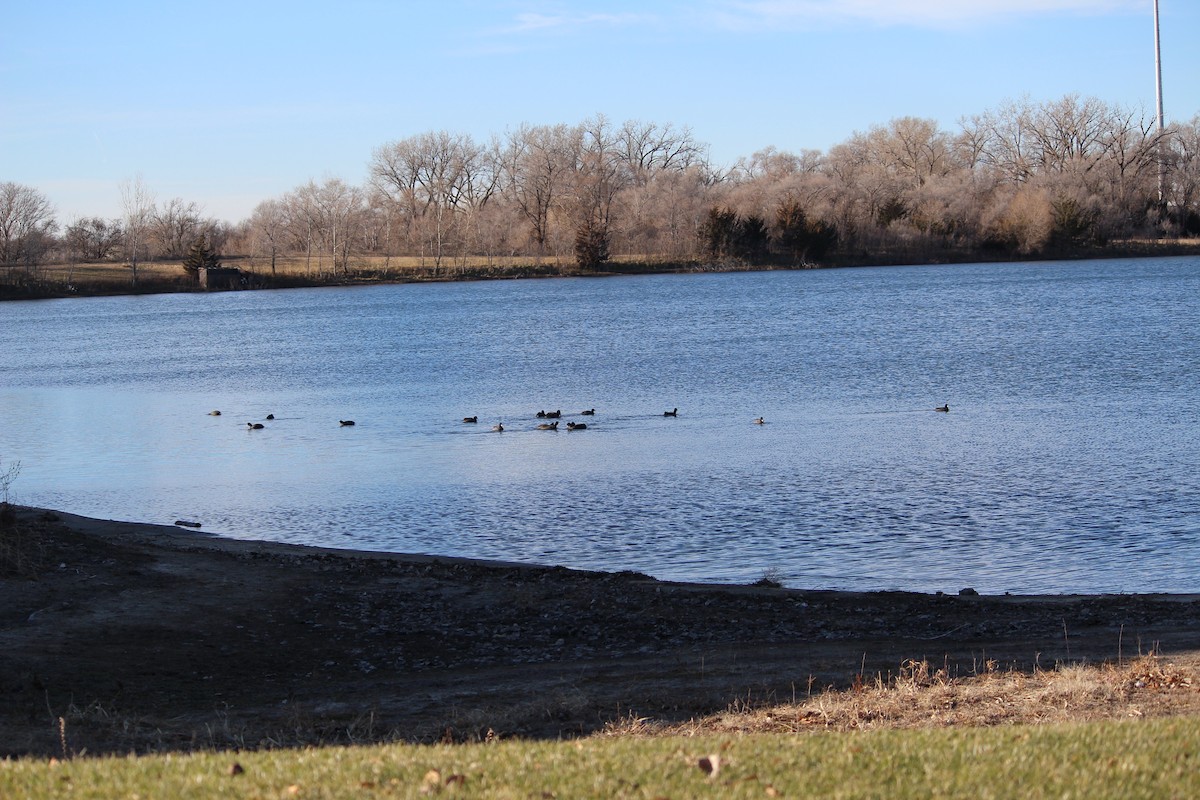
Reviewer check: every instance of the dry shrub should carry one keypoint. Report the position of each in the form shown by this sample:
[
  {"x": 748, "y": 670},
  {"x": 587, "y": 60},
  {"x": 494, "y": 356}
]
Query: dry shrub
[
  {"x": 22, "y": 550},
  {"x": 920, "y": 696}
]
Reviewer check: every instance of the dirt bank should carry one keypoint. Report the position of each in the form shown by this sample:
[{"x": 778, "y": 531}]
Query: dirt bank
[{"x": 121, "y": 636}]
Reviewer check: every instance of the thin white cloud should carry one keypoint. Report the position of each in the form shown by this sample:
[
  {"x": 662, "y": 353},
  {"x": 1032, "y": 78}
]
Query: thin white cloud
[
  {"x": 911, "y": 13},
  {"x": 569, "y": 23},
  {"x": 538, "y": 30}
]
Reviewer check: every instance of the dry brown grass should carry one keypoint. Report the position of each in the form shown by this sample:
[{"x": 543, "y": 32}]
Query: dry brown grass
[
  {"x": 168, "y": 276},
  {"x": 299, "y": 265},
  {"x": 108, "y": 272},
  {"x": 922, "y": 696},
  {"x": 109, "y": 277},
  {"x": 103, "y": 278},
  {"x": 293, "y": 266}
]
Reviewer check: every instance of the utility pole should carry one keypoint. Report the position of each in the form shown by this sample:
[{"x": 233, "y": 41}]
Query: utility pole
[{"x": 1158, "y": 98}]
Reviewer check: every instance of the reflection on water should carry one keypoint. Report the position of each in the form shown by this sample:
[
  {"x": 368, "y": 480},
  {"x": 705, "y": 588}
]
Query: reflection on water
[{"x": 1068, "y": 462}]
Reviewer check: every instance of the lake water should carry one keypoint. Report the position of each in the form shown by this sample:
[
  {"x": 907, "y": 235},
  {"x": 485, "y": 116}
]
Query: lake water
[{"x": 1069, "y": 461}]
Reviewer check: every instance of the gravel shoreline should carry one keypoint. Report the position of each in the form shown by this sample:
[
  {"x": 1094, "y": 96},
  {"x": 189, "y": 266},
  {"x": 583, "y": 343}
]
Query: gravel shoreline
[{"x": 131, "y": 637}]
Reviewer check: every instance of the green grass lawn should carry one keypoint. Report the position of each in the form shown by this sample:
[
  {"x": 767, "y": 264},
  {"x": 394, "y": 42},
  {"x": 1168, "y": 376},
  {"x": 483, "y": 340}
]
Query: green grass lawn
[{"x": 1157, "y": 758}]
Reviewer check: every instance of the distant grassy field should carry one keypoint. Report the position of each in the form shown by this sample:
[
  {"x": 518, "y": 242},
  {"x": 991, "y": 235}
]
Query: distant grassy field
[
  {"x": 56, "y": 280},
  {"x": 160, "y": 273},
  {"x": 1132, "y": 759}
]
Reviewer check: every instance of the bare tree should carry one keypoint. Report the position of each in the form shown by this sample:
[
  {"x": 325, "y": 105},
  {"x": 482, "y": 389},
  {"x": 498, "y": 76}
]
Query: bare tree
[
  {"x": 437, "y": 180},
  {"x": 599, "y": 177},
  {"x": 1069, "y": 134},
  {"x": 869, "y": 197},
  {"x": 175, "y": 226},
  {"x": 268, "y": 229},
  {"x": 138, "y": 204},
  {"x": 663, "y": 217},
  {"x": 538, "y": 165},
  {"x": 1003, "y": 140},
  {"x": 93, "y": 238},
  {"x": 26, "y": 224},
  {"x": 1021, "y": 140},
  {"x": 341, "y": 208},
  {"x": 914, "y": 149},
  {"x": 646, "y": 149},
  {"x": 1183, "y": 175},
  {"x": 218, "y": 233},
  {"x": 482, "y": 177},
  {"x": 316, "y": 219},
  {"x": 770, "y": 177},
  {"x": 651, "y": 161},
  {"x": 302, "y": 223},
  {"x": 1133, "y": 159},
  {"x": 1024, "y": 176},
  {"x": 770, "y": 163},
  {"x": 394, "y": 171}
]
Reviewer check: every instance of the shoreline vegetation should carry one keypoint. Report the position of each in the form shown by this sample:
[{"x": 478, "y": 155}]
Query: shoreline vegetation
[
  {"x": 120, "y": 638},
  {"x": 92, "y": 279},
  {"x": 1075, "y": 177}
]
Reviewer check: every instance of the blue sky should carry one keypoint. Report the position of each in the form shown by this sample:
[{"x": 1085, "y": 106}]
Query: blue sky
[{"x": 230, "y": 103}]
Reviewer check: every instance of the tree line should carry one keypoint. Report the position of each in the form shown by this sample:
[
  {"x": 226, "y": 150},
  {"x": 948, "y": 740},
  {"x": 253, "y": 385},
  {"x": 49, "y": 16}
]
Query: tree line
[{"x": 1020, "y": 180}]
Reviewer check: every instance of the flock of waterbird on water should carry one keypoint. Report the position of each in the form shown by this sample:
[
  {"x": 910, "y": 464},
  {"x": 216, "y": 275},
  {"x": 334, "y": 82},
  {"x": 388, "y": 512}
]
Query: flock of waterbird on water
[
  {"x": 257, "y": 426},
  {"x": 571, "y": 426},
  {"x": 541, "y": 415},
  {"x": 580, "y": 426},
  {"x": 542, "y": 426}
]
